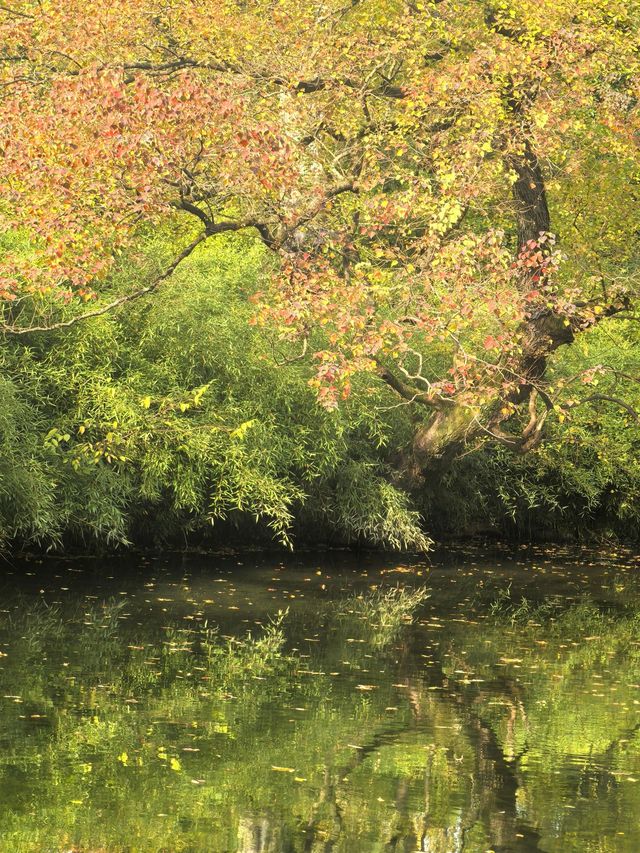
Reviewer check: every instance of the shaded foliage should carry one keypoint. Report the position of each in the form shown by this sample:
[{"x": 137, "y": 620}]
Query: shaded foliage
[{"x": 173, "y": 419}]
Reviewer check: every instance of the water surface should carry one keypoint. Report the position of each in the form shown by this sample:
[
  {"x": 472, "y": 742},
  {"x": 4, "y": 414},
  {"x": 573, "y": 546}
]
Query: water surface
[{"x": 135, "y": 715}]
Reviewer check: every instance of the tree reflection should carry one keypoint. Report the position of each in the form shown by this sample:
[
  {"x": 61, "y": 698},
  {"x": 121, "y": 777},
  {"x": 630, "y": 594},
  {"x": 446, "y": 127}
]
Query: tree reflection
[{"x": 495, "y": 736}]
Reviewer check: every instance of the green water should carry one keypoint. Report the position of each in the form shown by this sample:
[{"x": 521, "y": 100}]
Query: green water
[{"x": 506, "y": 717}]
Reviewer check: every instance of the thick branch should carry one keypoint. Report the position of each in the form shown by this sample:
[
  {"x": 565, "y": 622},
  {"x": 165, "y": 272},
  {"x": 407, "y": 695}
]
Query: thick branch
[
  {"x": 411, "y": 395},
  {"x": 194, "y": 210},
  {"x": 530, "y": 197}
]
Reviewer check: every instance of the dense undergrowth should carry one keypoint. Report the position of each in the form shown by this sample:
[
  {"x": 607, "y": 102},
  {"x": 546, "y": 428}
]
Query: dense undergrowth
[{"x": 177, "y": 421}]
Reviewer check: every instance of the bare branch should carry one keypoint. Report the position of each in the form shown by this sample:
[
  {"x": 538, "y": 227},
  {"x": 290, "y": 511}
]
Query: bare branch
[
  {"x": 11, "y": 11},
  {"x": 605, "y": 398},
  {"x": 194, "y": 210},
  {"x": 116, "y": 303},
  {"x": 405, "y": 391},
  {"x": 293, "y": 358}
]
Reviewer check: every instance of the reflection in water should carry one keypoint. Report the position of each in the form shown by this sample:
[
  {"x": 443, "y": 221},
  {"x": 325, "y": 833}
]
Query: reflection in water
[
  {"x": 504, "y": 716},
  {"x": 257, "y": 835}
]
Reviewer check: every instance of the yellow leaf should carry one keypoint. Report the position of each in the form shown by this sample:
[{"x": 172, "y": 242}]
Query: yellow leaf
[{"x": 241, "y": 431}]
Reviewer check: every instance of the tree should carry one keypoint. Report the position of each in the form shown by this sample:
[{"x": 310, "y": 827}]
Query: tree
[{"x": 447, "y": 188}]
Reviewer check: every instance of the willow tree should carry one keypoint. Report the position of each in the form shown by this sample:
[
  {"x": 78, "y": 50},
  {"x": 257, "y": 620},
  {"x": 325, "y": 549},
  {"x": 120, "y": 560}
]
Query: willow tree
[{"x": 447, "y": 188}]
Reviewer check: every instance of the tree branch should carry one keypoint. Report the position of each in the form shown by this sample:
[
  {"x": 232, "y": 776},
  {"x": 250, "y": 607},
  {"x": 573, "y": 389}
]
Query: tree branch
[
  {"x": 116, "y": 303},
  {"x": 11, "y": 11},
  {"x": 406, "y": 391},
  {"x": 606, "y": 398}
]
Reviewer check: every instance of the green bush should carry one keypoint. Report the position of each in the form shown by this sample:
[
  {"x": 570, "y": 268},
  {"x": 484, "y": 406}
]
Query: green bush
[{"x": 174, "y": 417}]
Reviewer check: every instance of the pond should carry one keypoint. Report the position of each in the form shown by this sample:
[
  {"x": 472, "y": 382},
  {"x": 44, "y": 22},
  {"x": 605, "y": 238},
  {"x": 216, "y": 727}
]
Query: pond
[{"x": 322, "y": 703}]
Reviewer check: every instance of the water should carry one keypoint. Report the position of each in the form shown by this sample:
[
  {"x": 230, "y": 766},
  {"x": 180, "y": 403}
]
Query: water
[{"x": 505, "y": 718}]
